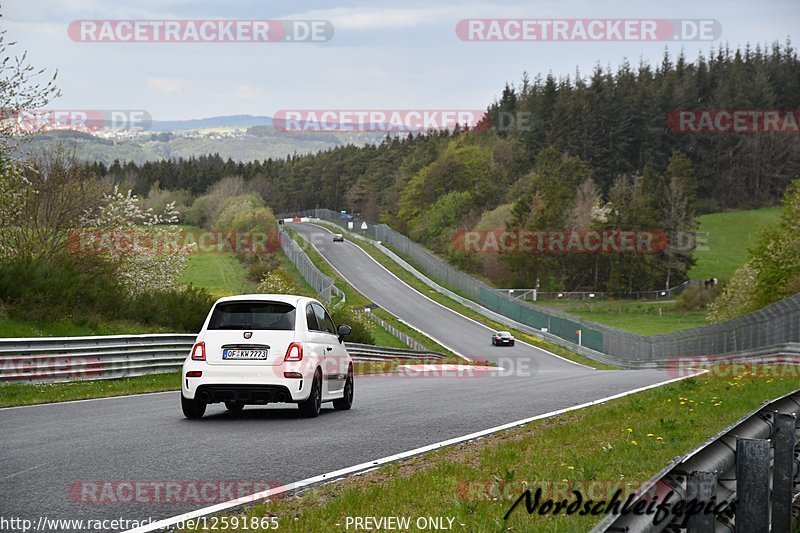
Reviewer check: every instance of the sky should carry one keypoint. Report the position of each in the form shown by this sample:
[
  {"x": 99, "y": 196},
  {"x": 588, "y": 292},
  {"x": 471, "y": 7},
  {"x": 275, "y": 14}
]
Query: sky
[{"x": 383, "y": 55}]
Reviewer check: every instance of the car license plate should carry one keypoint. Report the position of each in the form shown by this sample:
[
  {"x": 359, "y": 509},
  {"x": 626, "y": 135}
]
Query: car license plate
[{"x": 244, "y": 354}]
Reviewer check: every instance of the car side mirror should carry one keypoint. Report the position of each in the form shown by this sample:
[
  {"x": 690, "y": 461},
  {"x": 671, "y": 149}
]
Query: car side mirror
[{"x": 344, "y": 330}]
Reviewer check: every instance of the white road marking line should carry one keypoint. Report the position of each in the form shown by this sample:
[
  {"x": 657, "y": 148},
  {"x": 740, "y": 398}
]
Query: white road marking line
[{"x": 360, "y": 468}]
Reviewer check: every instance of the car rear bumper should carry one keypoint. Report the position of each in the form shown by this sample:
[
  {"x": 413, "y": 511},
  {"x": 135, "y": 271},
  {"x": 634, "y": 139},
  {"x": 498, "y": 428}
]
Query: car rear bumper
[
  {"x": 260, "y": 385},
  {"x": 248, "y": 394}
]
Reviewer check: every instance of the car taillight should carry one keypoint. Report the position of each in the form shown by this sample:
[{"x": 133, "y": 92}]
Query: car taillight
[
  {"x": 194, "y": 374},
  {"x": 294, "y": 352},
  {"x": 199, "y": 351}
]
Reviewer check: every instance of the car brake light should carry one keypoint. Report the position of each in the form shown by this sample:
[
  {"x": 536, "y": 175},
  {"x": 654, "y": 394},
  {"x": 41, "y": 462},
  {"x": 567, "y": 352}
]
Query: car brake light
[
  {"x": 294, "y": 352},
  {"x": 194, "y": 374},
  {"x": 199, "y": 351},
  {"x": 292, "y": 375}
]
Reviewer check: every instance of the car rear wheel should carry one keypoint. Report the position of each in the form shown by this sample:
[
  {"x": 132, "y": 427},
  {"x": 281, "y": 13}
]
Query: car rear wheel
[
  {"x": 193, "y": 409},
  {"x": 346, "y": 402},
  {"x": 311, "y": 407},
  {"x": 234, "y": 407}
]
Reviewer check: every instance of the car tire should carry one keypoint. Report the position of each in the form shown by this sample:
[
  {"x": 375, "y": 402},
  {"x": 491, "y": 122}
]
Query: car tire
[
  {"x": 346, "y": 402},
  {"x": 192, "y": 409},
  {"x": 311, "y": 407},
  {"x": 234, "y": 407},
  {"x": 512, "y": 343}
]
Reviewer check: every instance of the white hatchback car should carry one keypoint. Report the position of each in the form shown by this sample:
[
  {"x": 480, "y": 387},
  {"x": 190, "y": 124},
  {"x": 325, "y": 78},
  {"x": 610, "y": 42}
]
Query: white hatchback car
[{"x": 256, "y": 349}]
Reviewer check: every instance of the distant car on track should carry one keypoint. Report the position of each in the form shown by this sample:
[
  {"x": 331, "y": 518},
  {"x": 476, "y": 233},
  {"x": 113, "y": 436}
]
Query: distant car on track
[
  {"x": 338, "y": 237},
  {"x": 502, "y": 338},
  {"x": 256, "y": 349}
]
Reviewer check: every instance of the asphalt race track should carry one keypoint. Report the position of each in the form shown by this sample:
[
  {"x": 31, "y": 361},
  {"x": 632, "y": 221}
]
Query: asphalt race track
[{"x": 49, "y": 450}]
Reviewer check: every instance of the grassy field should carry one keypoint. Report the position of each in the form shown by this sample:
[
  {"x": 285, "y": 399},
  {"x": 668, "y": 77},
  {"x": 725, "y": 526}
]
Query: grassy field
[
  {"x": 221, "y": 273},
  {"x": 639, "y": 316},
  {"x": 729, "y": 236},
  {"x": 476, "y": 483}
]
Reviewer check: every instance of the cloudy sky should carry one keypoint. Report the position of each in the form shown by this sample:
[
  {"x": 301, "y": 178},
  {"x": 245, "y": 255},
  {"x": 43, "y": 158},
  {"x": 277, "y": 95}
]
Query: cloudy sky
[{"x": 384, "y": 55}]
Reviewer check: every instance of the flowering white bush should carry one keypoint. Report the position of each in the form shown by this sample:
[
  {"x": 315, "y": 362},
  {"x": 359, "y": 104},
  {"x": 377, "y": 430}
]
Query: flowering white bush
[
  {"x": 277, "y": 282},
  {"x": 12, "y": 203},
  {"x": 142, "y": 267},
  {"x": 737, "y": 298}
]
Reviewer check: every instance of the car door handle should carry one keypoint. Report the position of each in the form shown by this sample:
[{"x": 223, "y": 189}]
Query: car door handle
[{"x": 329, "y": 348}]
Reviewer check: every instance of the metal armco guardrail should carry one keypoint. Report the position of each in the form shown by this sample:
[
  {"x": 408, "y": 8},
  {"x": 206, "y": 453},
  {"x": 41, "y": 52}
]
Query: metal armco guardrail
[
  {"x": 777, "y": 324},
  {"x": 116, "y": 356},
  {"x": 751, "y": 471},
  {"x": 322, "y": 284},
  {"x": 368, "y": 352},
  {"x": 100, "y": 357},
  {"x": 406, "y": 339}
]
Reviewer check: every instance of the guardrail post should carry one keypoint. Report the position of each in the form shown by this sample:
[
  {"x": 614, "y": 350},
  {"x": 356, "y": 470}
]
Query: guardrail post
[
  {"x": 701, "y": 487},
  {"x": 752, "y": 485},
  {"x": 783, "y": 471}
]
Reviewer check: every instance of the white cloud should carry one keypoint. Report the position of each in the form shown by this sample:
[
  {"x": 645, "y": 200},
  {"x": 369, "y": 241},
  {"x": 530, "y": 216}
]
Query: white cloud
[
  {"x": 244, "y": 92},
  {"x": 166, "y": 85}
]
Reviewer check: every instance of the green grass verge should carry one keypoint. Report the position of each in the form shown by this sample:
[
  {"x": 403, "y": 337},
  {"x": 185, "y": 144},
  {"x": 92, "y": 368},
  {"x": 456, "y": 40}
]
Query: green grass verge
[
  {"x": 475, "y": 483},
  {"x": 68, "y": 328},
  {"x": 421, "y": 338},
  {"x": 435, "y": 295},
  {"x": 729, "y": 237},
  {"x": 13, "y": 394},
  {"x": 384, "y": 338}
]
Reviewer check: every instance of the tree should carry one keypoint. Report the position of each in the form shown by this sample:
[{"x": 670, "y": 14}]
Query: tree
[
  {"x": 19, "y": 91},
  {"x": 676, "y": 193}
]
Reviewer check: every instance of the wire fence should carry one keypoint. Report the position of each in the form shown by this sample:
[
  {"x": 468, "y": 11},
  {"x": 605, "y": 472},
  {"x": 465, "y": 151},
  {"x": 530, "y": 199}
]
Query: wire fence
[
  {"x": 776, "y": 324},
  {"x": 320, "y": 282}
]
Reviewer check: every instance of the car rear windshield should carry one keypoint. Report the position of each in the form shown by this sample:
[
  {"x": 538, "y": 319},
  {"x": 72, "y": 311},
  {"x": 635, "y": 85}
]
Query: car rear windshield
[{"x": 252, "y": 315}]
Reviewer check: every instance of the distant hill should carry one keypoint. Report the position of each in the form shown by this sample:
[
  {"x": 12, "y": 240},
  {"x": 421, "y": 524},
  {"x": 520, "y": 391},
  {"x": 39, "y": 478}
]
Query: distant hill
[
  {"x": 256, "y": 139},
  {"x": 226, "y": 121}
]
